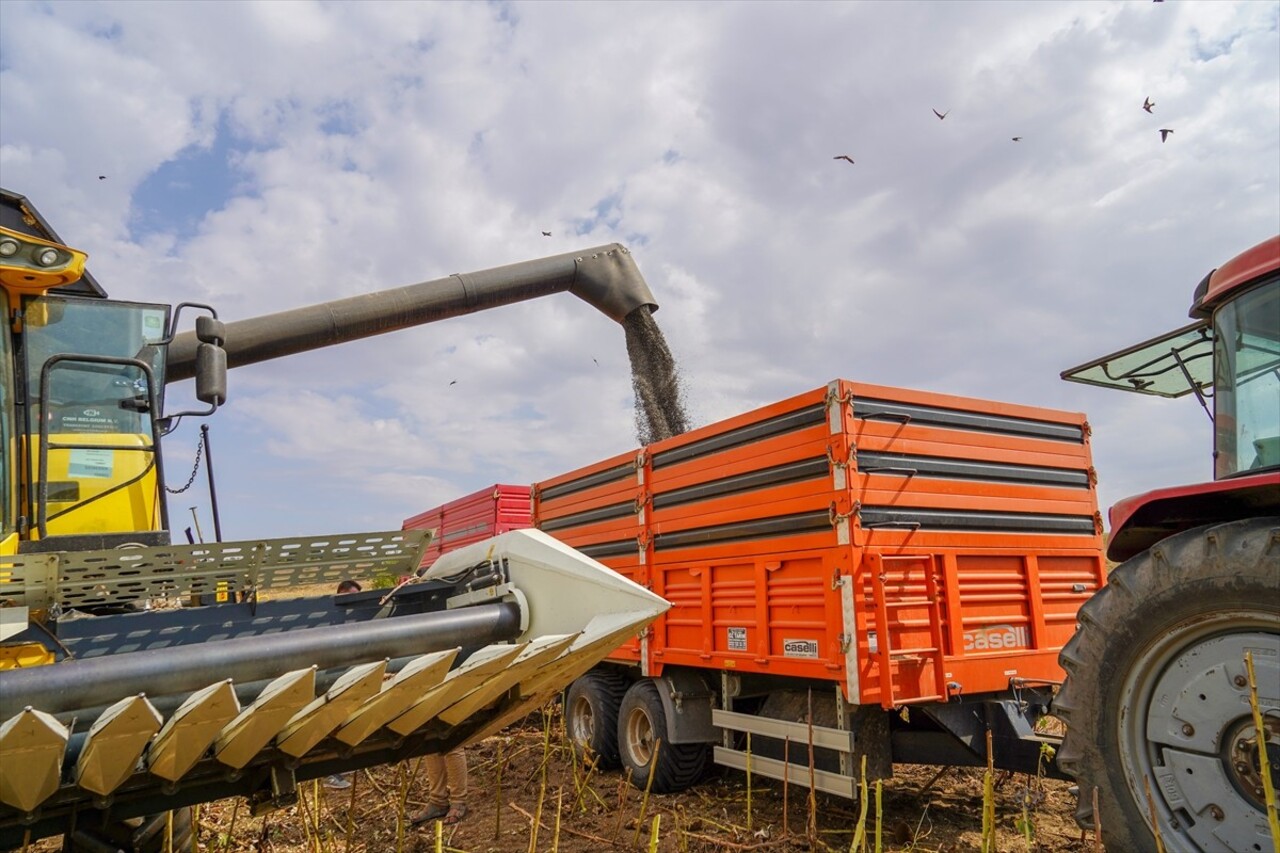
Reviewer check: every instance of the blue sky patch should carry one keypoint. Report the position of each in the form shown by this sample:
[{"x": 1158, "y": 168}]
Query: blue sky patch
[
  {"x": 176, "y": 197},
  {"x": 1206, "y": 50},
  {"x": 340, "y": 118},
  {"x": 607, "y": 211}
]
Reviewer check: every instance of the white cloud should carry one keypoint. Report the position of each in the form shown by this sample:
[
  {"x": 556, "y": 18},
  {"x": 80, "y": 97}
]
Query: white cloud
[{"x": 370, "y": 145}]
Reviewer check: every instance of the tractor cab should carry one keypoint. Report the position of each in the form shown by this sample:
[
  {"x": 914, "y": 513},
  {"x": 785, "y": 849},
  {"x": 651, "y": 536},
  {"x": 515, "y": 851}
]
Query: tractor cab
[{"x": 1229, "y": 358}]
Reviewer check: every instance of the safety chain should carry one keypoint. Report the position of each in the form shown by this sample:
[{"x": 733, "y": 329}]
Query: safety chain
[
  {"x": 835, "y": 517},
  {"x": 194, "y": 470}
]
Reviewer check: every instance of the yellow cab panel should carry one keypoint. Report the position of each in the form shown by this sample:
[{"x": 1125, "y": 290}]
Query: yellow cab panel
[{"x": 105, "y": 484}]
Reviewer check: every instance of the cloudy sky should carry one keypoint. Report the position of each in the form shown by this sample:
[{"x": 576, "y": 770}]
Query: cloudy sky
[{"x": 260, "y": 156}]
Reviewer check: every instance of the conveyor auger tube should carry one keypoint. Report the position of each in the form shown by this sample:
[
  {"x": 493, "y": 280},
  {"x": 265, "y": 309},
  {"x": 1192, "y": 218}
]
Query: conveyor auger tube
[
  {"x": 487, "y": 652},
  {"x": 79, "y": 684},
  {"x": 605, "y": 276}
]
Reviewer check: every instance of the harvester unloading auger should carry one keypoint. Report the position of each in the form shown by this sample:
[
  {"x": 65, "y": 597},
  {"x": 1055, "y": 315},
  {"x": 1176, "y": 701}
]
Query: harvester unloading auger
[{"x": 113, "y": 705}]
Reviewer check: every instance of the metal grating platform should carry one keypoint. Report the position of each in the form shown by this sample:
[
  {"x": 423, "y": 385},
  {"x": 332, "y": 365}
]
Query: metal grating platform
[{"x": 121, "y": 575}]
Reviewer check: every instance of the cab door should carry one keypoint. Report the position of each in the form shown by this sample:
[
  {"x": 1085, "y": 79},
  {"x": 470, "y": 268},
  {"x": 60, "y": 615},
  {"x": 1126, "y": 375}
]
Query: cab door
[{"x": 93, "y": 370}]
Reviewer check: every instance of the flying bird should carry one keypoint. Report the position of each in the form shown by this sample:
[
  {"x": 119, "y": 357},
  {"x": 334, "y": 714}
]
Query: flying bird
[
  {"x": 1017, "y": 139},
  {"x": 546, "y": 233},
  {"x": 102, "y": 177},
  {"x": 453, "y": 382},
  {"x": 843, "y": 157},
  {"x": 597, "y": 363},
  {"x": 941, "y": 116},
  {"x": 1164, "y": 133},
  {"x": 1147, "y": 104}
]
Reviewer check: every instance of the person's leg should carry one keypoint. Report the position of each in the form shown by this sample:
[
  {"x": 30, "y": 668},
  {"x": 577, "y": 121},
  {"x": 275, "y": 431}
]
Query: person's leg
[
  {"x": 437, "y": 790},
  {"x": 437, "y": 779},
  {"x": 456, "y": 768},
  {"x": 455, "y": 763}
]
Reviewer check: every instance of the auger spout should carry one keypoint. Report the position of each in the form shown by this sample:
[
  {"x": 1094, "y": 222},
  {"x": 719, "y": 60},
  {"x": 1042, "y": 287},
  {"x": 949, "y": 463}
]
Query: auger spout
[{"x": 606, "y": 277}]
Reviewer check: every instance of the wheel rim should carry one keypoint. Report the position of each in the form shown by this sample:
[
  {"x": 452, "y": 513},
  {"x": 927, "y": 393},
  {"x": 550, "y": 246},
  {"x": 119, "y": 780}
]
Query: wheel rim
[
  {"x": 1186, "y": 732},
  {"x": 639, "y": 733},
  {"x": 582, "y": 721}
]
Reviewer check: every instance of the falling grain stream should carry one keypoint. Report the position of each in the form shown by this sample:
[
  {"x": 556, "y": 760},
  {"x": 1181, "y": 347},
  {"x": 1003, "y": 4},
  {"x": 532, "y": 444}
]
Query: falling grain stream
[{"x": 656, "y": 379}]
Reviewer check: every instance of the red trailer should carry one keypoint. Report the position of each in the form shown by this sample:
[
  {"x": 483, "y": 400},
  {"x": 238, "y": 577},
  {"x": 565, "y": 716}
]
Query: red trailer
[{"x": 473, "y": 518}]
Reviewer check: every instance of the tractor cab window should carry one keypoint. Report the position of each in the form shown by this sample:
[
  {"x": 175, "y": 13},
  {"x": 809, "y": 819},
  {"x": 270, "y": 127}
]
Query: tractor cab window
[{"x": 1247, "y": 379}]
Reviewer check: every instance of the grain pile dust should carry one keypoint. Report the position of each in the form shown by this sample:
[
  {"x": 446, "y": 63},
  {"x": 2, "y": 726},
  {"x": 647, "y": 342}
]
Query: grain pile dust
[{"x": 659, "y": 397}]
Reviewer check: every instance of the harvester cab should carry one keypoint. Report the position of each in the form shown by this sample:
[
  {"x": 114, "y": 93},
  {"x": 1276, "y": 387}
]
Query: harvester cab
[
  {"x": 139, "y": 677},
  {"x": 81, "y": 397}
]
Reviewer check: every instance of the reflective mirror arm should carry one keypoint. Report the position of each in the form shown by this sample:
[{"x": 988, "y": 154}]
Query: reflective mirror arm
[{"x": 211, "y": 363}]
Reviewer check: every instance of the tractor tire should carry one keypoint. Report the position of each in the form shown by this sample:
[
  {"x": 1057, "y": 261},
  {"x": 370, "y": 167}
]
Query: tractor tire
[
  {"x": 591, "y": 716},
  {"x": 642, "y": 728},
  {"x": 1156, "y": 700},
  {"x": 135, "y": 835}
]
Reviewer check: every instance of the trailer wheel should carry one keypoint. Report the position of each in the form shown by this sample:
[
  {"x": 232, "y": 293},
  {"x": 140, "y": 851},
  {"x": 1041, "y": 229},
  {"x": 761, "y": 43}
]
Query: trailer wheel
[
  {"x": 1156, "y": 698},
  {"x": 94, "y": 833},
  {"x": 642, "y": 727},
  {"x": 591, "y": 715}
]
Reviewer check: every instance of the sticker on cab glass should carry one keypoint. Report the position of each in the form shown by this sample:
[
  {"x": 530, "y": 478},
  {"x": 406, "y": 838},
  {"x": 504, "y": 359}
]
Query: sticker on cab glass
[
  {"x": 152, "y": 325},
  {"x": 90, "y": 464}
]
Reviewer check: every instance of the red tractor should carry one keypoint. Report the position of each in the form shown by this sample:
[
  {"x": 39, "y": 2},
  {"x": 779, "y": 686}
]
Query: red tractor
[{"x": 1156, "y": 698}]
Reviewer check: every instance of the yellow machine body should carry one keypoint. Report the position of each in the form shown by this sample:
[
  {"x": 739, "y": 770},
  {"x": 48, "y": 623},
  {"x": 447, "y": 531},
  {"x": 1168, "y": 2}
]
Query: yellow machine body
[{"x": 105, "y": 484}]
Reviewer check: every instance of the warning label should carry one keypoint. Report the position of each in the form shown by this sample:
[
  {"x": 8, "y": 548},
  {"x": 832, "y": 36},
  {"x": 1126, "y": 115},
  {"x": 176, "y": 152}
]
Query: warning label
[
  {"x": 737, "y": 639},
  {"x": 86, "y": 464}
]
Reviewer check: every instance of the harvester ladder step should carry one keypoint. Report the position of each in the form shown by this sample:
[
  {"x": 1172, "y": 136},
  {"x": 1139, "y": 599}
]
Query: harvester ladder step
[{"x": 885, "y": 653}]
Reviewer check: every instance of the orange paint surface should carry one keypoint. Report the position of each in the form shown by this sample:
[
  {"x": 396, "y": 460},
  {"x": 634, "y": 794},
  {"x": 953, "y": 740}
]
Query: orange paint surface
[{"x": 908, "y": 546}]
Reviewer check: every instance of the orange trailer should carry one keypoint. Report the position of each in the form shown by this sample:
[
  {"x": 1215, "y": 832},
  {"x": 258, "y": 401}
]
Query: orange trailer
[{"x": 860, "y": 546}]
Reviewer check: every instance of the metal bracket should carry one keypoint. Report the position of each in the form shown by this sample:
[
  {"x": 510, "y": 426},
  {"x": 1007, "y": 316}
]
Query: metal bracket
[
  {"x": 485, "y": 595},
  {"x": 284, "y": 792}
]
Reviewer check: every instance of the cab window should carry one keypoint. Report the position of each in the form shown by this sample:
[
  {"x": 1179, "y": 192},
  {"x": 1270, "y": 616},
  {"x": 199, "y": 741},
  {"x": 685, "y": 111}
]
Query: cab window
[
  {"x": 9, "y": 450},
  {"x": 1247, "y": 382},
  {"x": 85, "y": 396}
]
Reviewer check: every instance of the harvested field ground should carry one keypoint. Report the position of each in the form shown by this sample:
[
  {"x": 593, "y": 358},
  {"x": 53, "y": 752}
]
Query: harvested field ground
[{"x": 718, "y": 815}]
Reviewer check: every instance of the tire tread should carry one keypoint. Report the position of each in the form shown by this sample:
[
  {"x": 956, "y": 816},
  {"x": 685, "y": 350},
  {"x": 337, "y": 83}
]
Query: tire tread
[{"x": 1113, "y": 620}]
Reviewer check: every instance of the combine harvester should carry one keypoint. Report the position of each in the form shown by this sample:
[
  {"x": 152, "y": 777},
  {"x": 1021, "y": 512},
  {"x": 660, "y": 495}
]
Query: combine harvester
[
  {"x": 119, "y": 708},
  {"x": 897, "y": 575}
]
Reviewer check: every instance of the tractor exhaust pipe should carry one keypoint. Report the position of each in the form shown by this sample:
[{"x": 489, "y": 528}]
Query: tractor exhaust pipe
[{"x": 606, "y": 277}]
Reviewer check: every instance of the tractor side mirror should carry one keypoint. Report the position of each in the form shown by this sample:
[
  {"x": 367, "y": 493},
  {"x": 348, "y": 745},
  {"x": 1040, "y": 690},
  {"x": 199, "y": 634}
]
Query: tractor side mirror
[
  {"x": 211, "y": 374},
  {"x": 210, "y": 330}
]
